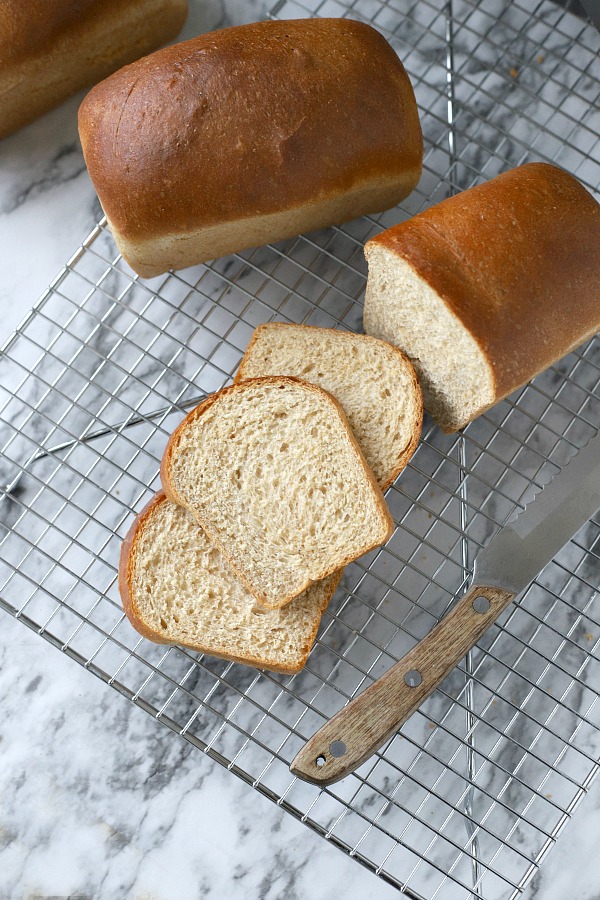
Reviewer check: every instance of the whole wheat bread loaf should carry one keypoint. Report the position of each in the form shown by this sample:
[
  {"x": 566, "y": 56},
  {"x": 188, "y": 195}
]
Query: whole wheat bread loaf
[
  {"x": 176, "y": 588},
  {"x": 489, "y": 287},
  {"x": 374, "y": 383},
  {"x": 248, "y": 135},
  {"x": 274, "y": 475},
  {"x": 49, "y": 49}
]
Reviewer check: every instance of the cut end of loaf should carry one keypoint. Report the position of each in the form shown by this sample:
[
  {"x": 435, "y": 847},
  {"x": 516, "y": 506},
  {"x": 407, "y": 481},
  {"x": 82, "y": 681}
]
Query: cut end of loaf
[
  {"x": 402, "y": 308},
  {"x": 177, "y": 588},
  {"x": 273, "y": 473}
]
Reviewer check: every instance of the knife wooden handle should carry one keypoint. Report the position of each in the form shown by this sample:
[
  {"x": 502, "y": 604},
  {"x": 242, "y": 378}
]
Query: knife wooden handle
[{"x": 361, "y": 727}]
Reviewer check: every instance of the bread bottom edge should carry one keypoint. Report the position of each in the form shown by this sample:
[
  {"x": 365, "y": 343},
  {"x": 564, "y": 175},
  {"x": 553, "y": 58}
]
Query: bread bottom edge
[{"x": 156, "y": 255}]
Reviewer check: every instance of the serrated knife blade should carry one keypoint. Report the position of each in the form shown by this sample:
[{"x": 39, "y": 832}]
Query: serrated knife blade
[{"x": 518, "y": 552}]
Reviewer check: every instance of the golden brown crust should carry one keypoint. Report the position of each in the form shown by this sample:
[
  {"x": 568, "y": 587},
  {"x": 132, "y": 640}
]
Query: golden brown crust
[
  {"x": 214, "y": 538},
  {"x": 412, "y": 445},
  {"x": 246, "y": 122},
  {"x": 410, "y": 448},
  {"x": 51, "y": 48},
  {"x": 517, "y": 259},
  {"x": 30, "y": 27},
  {"x": 126, "y": 564},
  {"x": 165, "y": 462}
]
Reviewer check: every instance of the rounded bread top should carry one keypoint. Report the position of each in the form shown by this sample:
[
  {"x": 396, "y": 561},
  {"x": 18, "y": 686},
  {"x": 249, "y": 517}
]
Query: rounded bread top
[
  {"x": 517, "y": 260},
  {"x": 248, "y": 121},
  {"x": 31, "y": 27}
]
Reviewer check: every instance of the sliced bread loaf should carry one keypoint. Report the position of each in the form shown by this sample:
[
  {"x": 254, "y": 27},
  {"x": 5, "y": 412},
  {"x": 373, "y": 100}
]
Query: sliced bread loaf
[
  {"x": 273, "y": 473},
  {"x": 176, "y": 588},
  {"x": 374, "y": 383},
  {"x": 488, "y": 288}
]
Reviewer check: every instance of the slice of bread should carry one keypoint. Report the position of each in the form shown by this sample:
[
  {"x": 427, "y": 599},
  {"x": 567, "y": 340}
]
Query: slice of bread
[
  {"x": 374, "y": 383},
  {"x": 274, "y": 475},
  {"x": 176, "y": 588}
]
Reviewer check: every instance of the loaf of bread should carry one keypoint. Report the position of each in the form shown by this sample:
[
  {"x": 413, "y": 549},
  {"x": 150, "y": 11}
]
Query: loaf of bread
[
  {"x": 51, "y": 48},
  {"x": 373, "y": 382},
  {"x": 489, "y": 287},
  {"x": 273, "y": 474},
  {"x": 249, "y": 135},
  {"x": 176, "y": 588}
]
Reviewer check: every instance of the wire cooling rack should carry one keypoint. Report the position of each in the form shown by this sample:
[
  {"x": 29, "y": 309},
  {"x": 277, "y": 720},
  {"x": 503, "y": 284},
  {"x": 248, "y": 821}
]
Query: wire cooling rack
[{"x": 468, "y": 797}]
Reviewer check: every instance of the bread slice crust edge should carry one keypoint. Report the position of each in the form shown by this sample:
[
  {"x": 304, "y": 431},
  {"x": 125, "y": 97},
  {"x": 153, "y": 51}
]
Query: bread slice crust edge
[{"x": 127, "y": 562}]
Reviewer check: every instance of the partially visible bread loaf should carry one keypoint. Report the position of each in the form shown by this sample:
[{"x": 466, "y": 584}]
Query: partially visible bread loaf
[
  {"x": 249, "y": 135},
  {"x": 489, "y": 287},
  {"x": 51, "y": 48},
  {"x": 374, "y": 383},
  {"x": 176, "y": 588},
  {"x": 273, "y": 473}
]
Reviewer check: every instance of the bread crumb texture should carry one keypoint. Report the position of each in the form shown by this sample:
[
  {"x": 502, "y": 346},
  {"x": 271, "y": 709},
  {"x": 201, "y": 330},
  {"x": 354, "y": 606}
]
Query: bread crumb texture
[
  {"x": 402, "y": 308},
  {"x": 373, "y": 381},
  {"x": 271, "y": 470},
  {"x": 182, "y": 587}
]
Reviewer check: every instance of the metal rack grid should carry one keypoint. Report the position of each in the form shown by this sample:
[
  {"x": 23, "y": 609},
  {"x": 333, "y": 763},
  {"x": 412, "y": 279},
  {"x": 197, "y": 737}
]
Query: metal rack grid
[{"x": 467, "y": 799}]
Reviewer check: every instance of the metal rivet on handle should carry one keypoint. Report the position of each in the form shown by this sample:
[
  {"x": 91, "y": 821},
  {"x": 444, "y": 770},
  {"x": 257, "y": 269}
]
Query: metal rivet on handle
[
  {"x": 337, "y": 748},
  {"x": 413, "y": 678},
  {"x": 481, "y": 604}
]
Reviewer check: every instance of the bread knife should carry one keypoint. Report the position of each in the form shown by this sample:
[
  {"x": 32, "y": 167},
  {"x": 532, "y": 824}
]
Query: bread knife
[{"x": 507, "y": 565}]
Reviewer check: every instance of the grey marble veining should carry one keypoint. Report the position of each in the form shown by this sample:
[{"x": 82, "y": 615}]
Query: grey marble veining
[{"x": 99, "y": 800}]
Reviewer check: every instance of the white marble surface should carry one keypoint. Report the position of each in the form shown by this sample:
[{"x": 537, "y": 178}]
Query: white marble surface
[{"x": 98, "y": 799}]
